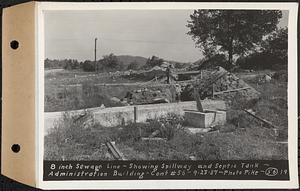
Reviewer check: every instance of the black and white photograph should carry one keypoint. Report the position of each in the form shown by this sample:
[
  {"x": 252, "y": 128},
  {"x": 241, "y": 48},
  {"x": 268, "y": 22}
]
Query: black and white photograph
[
  {"x": 189, "y": 93},
  {"x": 166, "y": 85},
  {"x": 150, "y": 95}
]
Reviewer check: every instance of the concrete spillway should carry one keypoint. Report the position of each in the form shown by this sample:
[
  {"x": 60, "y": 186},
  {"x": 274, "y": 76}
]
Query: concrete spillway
[{"x": 113, "y": 116}]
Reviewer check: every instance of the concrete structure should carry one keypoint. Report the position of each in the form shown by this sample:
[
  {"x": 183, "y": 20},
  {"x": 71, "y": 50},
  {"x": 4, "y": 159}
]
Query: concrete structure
[
  {"x": 114, "y": 116},
  {"x": 205, "y": 119}
]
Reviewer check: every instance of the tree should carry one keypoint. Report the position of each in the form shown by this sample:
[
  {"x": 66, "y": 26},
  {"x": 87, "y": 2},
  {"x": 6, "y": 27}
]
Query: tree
[
  {"x": 232, "y": 32},
  {"x": 134, "y": 65},
  {"x": 154, "y": 61},
  {"x": 88, "y": 66},
  {"x": 276, "y": 44},
  {"x": 71, "y": 64},
  {"x": 111, "y": 63},
  {"x": 213, "y": 61},
  {"x": 272, "y": 55},
  {"x": 54, "y": 64}
]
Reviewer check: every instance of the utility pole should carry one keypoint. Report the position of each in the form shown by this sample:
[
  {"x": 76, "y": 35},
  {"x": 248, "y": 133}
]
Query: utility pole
[{"x": 95, "y": 54}]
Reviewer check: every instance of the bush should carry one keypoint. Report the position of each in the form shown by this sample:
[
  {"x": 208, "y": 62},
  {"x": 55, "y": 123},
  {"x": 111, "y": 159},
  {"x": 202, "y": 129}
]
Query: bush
[
  {"x": 88, "y": 66},
  {"x": 260, "y": 61},
  {"x": 214, "y": 61},
  {"x": 167, "y": 125},
  {"x": 281, "y": 76},
  {"x": 153, "y": 61},
  {"x": 73, "y": 138},
  {"x": 133, "y": 66}
]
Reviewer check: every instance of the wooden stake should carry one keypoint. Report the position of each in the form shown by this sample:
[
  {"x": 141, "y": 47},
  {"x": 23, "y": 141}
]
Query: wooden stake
[
  {"x": 261, "y": 119},
  {"x": 114, "y": 151},
  {"x": 213, "y": 90},
  {"x": 135, "y": 114},
  {"x": 153, "y": 139}
]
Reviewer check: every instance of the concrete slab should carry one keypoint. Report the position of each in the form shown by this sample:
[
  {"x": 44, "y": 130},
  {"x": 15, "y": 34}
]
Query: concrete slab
[
  {"x": 205, "y": 119},
  {"x": 113, "y": 116}
]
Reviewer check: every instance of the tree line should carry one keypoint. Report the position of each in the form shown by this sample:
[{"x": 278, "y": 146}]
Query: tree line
[{"x": 109, "y": 63}]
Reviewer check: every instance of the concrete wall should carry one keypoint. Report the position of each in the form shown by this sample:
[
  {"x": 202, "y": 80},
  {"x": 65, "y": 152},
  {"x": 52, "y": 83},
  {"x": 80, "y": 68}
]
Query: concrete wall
[{"x": 114, "y": 116}]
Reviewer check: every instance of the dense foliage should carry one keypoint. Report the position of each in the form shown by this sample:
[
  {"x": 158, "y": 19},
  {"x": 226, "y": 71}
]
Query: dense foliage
[
  {"x": 153, "y": 61},
  {"x": 232, "y": 32},
  {"x": 109, "y": 63},
  {"x": 273, "y": 54}
]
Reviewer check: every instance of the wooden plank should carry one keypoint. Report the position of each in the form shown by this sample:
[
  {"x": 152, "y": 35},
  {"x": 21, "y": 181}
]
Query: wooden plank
[
  {"x": 153, "y": 139},
  {"x": 117, "y": 151},
  {"x": 114, "y": 151},
  {"x": 188, "y": 72},
  {"x": 261, "y": 119},
  {"x": 233, "y": 90}
]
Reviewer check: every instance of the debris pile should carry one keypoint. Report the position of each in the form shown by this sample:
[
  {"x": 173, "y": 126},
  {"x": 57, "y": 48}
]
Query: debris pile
[
  {"x": 228, "y": 88},
  {"x": 148, "y": 75},
  {"x": 150, "y": 95}
]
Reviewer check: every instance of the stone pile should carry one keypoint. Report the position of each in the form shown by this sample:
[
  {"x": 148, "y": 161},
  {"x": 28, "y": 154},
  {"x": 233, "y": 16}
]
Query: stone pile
[{"x": 149, "y": 95}]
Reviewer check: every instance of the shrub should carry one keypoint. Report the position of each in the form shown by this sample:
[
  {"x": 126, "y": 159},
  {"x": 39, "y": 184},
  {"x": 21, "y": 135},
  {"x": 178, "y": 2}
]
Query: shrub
[
  {"x": 73, "y": 137},
  {"x": 167, "y": 125},
  {"x": 214, "y": 61},
  {"x": 88, "y": 66},
  {"x": 260, "y": 61}
]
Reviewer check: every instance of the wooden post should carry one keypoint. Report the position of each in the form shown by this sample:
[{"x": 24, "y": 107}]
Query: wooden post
[
  {"x": 198, "y": 100},
  {"x": 269, "y": 124},
  {"x": 135, "y": 114},
  {"x": 213, "y": 90},
  {"x": 95, "y": 63}
]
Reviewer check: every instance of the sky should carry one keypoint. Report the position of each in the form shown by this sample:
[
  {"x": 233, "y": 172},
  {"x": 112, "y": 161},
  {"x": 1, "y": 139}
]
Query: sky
[{"x": 71, "y": 34}]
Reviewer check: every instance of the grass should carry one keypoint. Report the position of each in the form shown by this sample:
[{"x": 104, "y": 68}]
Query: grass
[
  {"x": 246, "y": 140},
  {"x": 64, "y": 91},
  {"x": 272, "y": 104},
  {"x": 60, "y": 97},
  {"x": 242, "y": 138}
]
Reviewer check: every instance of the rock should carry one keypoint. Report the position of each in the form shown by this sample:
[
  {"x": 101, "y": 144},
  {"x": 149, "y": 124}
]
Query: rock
[
  {"x": 267, "y": 78},
  {"x": 115, "y": 99},
  {"x": 160, "y": 100}
]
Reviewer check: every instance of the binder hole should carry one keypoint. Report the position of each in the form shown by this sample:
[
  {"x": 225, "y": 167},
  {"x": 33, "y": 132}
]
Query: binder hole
[
  {"x": 14, "y": 44},
  {"x": 15, "y": 148}
]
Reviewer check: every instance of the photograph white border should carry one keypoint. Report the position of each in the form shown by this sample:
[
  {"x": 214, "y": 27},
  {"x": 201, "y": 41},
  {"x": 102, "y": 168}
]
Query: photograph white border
[{"x": 169, "y": 184}]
